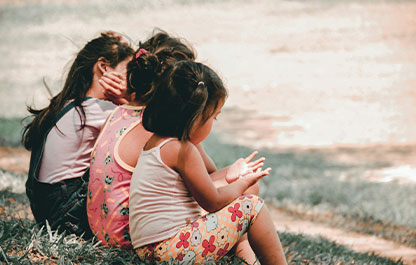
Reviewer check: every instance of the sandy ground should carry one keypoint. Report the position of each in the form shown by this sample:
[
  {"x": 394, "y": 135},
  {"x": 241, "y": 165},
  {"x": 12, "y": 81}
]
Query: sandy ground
[
  {"x": 14, "y": 159},
  {"x": 357, "y": 241}
]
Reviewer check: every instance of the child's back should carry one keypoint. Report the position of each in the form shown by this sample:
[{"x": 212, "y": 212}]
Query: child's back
[
  {"x": 121, "y": 141},
  {"x": 109, "y": 185},
  {"x": 68, "y": 149},
  {"x": 160, "y": 201},
  {"x": 61, "y": 136}
]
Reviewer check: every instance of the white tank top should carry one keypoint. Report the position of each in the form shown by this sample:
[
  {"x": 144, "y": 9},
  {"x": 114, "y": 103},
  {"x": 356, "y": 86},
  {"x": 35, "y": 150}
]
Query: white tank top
[{"x": 160, "y": 204}]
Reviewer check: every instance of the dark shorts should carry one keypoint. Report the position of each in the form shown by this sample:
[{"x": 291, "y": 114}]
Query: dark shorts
[{"x": 62, "y": 204}]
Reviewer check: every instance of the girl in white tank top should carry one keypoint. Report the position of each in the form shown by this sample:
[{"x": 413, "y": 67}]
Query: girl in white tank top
[{"x": 170, "y": 182}]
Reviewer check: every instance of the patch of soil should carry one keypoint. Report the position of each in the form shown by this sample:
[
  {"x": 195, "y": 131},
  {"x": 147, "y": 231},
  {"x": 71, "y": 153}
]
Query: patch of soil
[
  {"x": 398, "y": 233},
  {"x": 14, "y": 159}
]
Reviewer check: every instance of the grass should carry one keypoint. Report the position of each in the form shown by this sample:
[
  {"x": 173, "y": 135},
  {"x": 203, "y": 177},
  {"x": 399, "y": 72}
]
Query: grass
[
  {"x": 22, "y": 242},
  {"x": 303, "y": 249},
  {"x": 10, "y": 131},
  {"x": 313, "y": 180}
]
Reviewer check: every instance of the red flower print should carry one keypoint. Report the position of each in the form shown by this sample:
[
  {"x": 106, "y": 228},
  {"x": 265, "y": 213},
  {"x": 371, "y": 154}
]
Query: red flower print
[
  {"x": 180, "y": 256},
  {"x": 195, "y": 224},
  {"x": 222, "y": 251},
  {"x": 239, "y": 227},
  {"x": 204, "y": 218},
  {"x": 208, "y": 245},
  {"x": 151, "y": 247},
  {"x": 183, "y": 240},
  {"x": 151, "y": 256},
  {"x": 235, "y": 212}
]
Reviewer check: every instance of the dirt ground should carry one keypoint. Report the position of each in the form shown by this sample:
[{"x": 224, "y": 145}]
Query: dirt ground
[
  {"x": 357, "y": 241},
  {"x": 14, "y": 159}
]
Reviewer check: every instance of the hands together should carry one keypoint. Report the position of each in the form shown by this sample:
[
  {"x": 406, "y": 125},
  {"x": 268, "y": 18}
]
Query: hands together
[{"x": 248, "y": 169}]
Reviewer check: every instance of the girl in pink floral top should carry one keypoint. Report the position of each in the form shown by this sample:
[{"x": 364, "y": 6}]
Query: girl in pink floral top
[
  {"x": 119, "y": 144},
  {"x": 108, "y": 189}
]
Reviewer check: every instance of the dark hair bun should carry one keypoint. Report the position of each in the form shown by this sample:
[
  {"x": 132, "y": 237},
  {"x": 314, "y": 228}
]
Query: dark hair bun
[
  {"x": 148, "y": 62},
  {"x": 154, "y": 57}
]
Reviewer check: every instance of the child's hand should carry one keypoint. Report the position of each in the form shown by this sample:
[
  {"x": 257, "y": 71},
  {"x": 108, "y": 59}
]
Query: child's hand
[
  {"x": 243, "y": 166},
  {"x": 115, "y": 35},
  {"x": 115, "y": 89},
  {"x": 252, "y": 178}
]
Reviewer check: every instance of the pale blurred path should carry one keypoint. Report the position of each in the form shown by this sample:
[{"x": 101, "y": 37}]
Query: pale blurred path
[
  {"x": 299, "y": 73},
  {"x": 356, "y": 241}
]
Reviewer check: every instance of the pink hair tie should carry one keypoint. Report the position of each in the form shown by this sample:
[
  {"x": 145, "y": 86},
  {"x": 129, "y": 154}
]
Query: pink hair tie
[{"x": 139, "y": 53}]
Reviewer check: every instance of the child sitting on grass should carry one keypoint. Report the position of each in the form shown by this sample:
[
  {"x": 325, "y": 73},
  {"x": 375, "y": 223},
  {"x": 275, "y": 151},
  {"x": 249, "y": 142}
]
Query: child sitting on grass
[
  {"x": 61, "y": 136},
  {"x": 119, "y": 144},
  {"x": 170, "y": 182}
]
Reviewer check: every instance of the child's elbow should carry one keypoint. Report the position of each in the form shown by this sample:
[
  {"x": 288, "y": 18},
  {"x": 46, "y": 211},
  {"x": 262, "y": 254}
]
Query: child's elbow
[{"x": 211, "y": 207}]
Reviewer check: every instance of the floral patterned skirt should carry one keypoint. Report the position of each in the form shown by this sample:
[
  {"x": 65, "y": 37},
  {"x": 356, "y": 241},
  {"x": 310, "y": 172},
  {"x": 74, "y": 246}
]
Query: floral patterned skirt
[{"x": 208, "y": 238}]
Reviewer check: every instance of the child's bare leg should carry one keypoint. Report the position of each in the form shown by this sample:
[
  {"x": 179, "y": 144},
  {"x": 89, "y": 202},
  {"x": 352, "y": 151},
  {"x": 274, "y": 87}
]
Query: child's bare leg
[
  {"x": 264, "y": 240},
  {"x": 244, "y": 251}
]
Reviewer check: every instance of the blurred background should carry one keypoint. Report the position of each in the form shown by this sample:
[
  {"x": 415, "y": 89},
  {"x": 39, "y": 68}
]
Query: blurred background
[
  {"x": 300, "y": 73},
  {"x": 326, "y": 90}
]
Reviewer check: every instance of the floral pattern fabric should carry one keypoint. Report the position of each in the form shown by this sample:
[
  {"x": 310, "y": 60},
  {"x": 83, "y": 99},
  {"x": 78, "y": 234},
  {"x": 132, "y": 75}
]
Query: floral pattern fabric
[
  {"x": 109, "y": 185},
  {"x": 208, "y": 238}
]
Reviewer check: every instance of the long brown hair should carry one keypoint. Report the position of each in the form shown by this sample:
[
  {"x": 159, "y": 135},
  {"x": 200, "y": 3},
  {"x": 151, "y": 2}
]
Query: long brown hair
[{"x": 77, "y": 84}]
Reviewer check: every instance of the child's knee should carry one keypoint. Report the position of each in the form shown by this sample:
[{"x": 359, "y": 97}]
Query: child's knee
[{"x": 250, "y": 206}]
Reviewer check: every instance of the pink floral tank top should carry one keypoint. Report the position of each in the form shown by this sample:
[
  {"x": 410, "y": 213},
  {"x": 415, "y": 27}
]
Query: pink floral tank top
[{"x": 109, "y": 184}]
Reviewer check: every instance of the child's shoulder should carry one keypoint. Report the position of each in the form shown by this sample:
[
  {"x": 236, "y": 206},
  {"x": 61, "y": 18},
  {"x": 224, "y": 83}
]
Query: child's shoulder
[
  {"x": 98, "y": 107},
  {"x": 174, "y": 152},
  {"x": 175, "y": 143},
  {"x": 175, "y": 146}
]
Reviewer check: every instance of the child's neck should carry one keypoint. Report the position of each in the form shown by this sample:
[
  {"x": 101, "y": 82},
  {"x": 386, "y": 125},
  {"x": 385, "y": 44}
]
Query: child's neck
[
  {"x": 136, "y": 103},
  {"x": 155, "y": 140},
  {"x": 96, "y": 90}
]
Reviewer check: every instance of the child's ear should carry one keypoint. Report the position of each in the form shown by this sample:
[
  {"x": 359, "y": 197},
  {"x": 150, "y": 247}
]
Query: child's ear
[
  {"x": 102, "y": 65},
  {"x": 132, "y": 96}
]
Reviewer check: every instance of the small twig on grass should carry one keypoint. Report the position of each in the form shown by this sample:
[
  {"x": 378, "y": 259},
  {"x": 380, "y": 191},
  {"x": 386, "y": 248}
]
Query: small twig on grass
[{"x": 4, "y": 255}]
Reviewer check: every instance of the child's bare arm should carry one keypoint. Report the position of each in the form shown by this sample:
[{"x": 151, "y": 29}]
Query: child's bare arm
[
  {"x": 209, "y": 164},
  {"x": 192, "y": 168}
]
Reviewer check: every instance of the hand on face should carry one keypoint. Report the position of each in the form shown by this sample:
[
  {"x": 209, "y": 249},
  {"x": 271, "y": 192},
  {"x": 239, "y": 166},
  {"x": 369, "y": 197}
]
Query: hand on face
[
  {"x": 243, "y": 167},
  {"x": 115, "y": 89}
]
